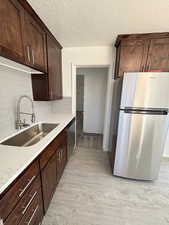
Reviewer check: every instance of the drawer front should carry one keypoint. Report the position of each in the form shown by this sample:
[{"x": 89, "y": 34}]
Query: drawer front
[
  {"x": 24, "y": 204},
  {"x": 16, "y": 192},
  {"x": 51, "y": 148}
]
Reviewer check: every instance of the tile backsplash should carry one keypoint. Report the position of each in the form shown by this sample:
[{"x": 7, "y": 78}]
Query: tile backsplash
[{"x": 13, "y": 84}]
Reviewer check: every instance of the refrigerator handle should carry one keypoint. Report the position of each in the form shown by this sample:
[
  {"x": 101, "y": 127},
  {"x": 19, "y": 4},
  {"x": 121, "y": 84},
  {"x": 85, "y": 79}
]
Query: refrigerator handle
[{"x": 147, "y": 112}]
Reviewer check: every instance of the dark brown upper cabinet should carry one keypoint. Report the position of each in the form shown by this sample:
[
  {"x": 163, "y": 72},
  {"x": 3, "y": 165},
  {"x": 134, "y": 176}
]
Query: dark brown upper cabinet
[
  {"x": 131, "y": 56},
  {"x": 11, "y": 25},
  {"x": 158, "y": 56},
  {"x": 49, "y": 86},
  {"x": 142, "y": 53},
  {"x": 23, "y": 40},
  {"x": 54, "y": 69},
  {"x": 34, "y": 44}
]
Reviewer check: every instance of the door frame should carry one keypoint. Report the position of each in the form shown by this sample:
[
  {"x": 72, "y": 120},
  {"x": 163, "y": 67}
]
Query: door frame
[{"x": 108, "y": 105}]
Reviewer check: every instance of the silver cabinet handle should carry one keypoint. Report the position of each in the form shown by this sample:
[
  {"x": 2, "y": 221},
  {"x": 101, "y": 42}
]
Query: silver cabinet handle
[
  {"x": 26, "y": 207},
  {"x": 25, "y": 188},
  {"x": 32, "y": 216},
  {"x": 28, "y": 53},
  {"x": 33, "y": 57},
  {"x": 59, "y": 156}
]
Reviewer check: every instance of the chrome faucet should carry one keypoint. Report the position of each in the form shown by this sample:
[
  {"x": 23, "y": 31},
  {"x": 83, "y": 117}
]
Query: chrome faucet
[{"x": 21, "y": 124}]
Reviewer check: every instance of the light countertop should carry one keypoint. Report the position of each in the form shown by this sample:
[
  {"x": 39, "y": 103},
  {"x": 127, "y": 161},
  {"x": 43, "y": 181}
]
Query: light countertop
[{"x": 13, "y": 160}]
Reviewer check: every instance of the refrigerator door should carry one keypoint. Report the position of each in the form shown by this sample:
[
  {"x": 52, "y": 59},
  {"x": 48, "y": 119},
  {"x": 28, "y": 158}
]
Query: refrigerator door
[
  {"x": 145, "y": 90},
  {"x": 140, "y": 144}
]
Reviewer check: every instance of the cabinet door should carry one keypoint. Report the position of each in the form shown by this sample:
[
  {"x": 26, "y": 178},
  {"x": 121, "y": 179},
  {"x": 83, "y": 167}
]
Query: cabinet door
[
  {"x": 49, "y": 86},
  {"x": 158, "y": 56},
  {"x": 49, "y": 181},
  {"x": 61, "y": 160},
  {"x": 131, "y": 56},
  {"x": 54, "y": 69},
  {"x": 11, "y": 20},
  {"x": 40, "y": 87},
  {"x": 35, "y": 44}
]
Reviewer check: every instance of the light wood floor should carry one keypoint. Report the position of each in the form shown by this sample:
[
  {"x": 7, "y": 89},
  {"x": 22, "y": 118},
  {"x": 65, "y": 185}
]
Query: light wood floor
[
  {"x": 90, "y": 141},
  {"x": 88, "y": 194},
  {"x": 87, "y": 140}
]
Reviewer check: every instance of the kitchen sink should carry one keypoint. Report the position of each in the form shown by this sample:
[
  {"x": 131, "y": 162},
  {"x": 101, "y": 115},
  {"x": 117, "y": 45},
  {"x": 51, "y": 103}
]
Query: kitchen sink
[{"x": 30, "y": 136}]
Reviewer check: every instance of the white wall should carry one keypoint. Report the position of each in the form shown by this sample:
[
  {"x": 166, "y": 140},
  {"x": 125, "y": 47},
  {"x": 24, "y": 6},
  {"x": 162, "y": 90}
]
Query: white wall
[
  {"x": 62, "y": 106},
  {"x": 95, "y": 88},
  {"x": 83, "y": 56},
  {"x": 13, "y": 84}
]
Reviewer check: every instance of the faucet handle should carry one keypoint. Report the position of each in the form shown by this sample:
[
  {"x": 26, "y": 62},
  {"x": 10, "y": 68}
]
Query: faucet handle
[
  {"x": 33, "y": 118},
  {"x": 24, "y": 124}
]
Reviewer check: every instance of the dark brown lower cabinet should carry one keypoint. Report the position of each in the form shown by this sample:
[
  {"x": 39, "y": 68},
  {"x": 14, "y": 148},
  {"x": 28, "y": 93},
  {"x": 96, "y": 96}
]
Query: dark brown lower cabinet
[
  {"x": 28, "y": 198},
  {"x": 49, "y": 181},
  {"x": 34, "y": 215},
  {"x": 26, "y": 205}
]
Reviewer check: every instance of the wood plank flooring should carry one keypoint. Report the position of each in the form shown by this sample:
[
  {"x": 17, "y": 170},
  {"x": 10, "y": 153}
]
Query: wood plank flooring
[
  {"x": 90, "y": 141},
  {"x": 87, "y": 140},
  {"x": 88, "y": 194}
]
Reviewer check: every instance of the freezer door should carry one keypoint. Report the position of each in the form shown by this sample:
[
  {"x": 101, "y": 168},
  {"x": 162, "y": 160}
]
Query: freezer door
[
  {"x": 140, "y": 145},
  {"x": 145, "y": 90}
]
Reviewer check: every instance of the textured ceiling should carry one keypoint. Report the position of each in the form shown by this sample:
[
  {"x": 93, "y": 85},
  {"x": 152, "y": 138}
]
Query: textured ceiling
[{"x": 97, "y": 22}]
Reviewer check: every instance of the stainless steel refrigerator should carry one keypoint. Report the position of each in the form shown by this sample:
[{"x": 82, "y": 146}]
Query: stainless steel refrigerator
[{"x": 142, "y": 125}]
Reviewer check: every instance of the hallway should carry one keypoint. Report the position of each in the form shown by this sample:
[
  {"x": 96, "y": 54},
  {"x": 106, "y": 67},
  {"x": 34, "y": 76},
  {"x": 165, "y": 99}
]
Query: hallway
[{"x": 87, "y": 140}]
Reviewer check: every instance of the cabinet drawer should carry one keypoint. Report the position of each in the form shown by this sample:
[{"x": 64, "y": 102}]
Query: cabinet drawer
[
  {"x": 16, "y": 192},
  {"x": 25, "y": 203},
  {"x": 34, "y": 214},
  {"x": 51, "y": 148}
]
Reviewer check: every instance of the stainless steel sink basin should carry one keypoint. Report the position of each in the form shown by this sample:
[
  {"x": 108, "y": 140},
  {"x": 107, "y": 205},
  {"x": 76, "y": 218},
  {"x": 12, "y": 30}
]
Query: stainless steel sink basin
[{"x": 30, "y": 136}]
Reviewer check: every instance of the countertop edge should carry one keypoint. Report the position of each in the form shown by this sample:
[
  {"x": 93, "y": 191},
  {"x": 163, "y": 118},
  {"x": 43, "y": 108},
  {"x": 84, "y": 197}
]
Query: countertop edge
[{"x": 7, "y": 185}]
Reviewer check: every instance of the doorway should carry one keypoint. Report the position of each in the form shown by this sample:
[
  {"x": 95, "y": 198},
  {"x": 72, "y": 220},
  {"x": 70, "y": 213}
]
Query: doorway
[
  {"x": 79, "y": 103},
  {"x": 91, "y": 92}
]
